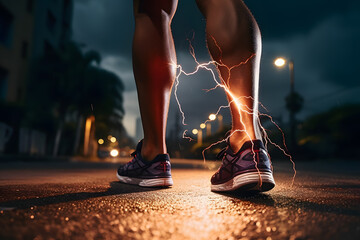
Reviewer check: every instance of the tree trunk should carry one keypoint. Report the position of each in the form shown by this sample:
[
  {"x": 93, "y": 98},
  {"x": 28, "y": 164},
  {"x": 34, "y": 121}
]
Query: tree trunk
[
  {"x": 87, "y": 135},
  {"x": 77, "y": 136},
  {"x": 58, "y": 138}
]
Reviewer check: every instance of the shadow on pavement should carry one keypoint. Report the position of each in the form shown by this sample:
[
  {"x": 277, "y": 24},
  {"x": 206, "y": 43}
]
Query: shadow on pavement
[
  {"x": 116, "y": 188},
  {"x": 335, "y": 187},
  {"x": 254, "y": 197},
  {"x": 281, "y": 201}
]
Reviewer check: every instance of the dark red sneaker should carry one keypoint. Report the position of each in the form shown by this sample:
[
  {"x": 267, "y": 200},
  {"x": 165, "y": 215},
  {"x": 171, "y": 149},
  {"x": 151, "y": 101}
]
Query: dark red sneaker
[
  {"x": 247, "y": 170},
  {"x": 146, "y": 174}
]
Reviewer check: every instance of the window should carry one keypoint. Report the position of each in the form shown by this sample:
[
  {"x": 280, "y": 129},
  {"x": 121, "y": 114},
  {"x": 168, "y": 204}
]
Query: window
[
  {"x": 3, "y": 83},
  {"x": 6, "y": 26}
]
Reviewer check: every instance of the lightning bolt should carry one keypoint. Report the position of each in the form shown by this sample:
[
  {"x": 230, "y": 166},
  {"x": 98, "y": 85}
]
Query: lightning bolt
[
  {"x": 242, "y": 108},
  {"x": 187, "y": 137}
]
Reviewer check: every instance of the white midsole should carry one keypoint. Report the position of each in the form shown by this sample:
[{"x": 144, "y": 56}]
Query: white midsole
[
  {"x": 155, "y": 182},
  {"x": 244, "y": 179}
]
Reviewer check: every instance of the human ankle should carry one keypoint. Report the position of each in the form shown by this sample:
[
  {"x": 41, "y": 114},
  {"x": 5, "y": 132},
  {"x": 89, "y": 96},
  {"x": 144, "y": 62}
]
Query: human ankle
[
  {"x": 150, "y": 151},
  {"x": 237, "y": 140}
]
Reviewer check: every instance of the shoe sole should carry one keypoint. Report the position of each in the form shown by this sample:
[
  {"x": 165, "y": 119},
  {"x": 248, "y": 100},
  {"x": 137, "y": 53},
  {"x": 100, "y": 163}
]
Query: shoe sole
[
  {"x": 247, "y": 182},
  {"x": 155, "y": 182}
]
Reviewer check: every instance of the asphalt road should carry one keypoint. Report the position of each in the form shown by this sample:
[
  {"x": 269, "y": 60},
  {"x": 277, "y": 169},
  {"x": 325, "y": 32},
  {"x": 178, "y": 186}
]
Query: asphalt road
[{"x": 85, "y": 201}]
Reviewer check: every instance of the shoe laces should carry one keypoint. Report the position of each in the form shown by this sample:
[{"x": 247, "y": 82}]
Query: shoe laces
[
  {"x": 133, "y": 155},
  {"x": 221, "y": 154}
]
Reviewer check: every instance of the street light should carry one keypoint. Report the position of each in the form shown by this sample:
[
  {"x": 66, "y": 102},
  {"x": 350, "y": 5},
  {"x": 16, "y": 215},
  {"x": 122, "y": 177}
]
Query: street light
[
  {"x": 279, "y": 62},
  {"x": 101, "y": 141},
  {"x": 199, "y": 135},
  {"x": 293, "y": 100},
  {"x": 212, "y": 117},
  {"x": 203, "y": 125},
  {"x": 114, "y": 153}
]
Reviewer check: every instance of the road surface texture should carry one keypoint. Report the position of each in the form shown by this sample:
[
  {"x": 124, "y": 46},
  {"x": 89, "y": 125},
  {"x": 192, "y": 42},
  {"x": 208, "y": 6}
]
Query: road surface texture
[{"x": 85, "y": 201}]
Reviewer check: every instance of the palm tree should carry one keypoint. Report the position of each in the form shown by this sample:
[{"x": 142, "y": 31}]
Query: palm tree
[
  {"x": 103, "y": 92},
  {"x": 67, "y": 81}
]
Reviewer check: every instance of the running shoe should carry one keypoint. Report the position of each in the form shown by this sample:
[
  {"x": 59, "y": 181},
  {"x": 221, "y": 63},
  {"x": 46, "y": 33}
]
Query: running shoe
[
  {"x": 247, "y": 170},
  {"x": 146, "y": 174}
]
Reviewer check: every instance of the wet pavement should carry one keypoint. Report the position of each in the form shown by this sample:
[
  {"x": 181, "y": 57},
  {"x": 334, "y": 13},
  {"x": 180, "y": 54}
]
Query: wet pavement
[{"x": 85, "y": 201}]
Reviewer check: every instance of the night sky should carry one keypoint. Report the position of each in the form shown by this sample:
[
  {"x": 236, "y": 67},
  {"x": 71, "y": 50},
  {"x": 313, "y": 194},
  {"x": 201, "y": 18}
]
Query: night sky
[{"x": 322, "y": 38}]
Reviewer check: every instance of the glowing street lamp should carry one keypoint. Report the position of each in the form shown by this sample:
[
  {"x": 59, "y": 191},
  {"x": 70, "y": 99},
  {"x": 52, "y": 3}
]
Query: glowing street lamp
[
  {"x": 280, "y": 62},
  {"x": 101, "y": 141},
  {"x": 212, "y": 117},
  {"x": 203, "y": 125},
  {"x": 199, "y": 135},
  {"x": 113, "y": 139},
  {"x": 293, "y": 101},
  {"x": 114, "y": 153}
]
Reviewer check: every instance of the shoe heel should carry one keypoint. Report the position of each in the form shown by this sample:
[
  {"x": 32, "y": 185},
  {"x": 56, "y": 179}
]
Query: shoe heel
[
  {"x": 251, "y": 181},
  {"x": 158, "y": 182}
]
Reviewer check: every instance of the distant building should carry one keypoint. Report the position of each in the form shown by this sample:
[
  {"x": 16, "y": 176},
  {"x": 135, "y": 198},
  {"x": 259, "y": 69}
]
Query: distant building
[
  {"x": 52, "y": 24},
  {"x": 28, "y": 28}
]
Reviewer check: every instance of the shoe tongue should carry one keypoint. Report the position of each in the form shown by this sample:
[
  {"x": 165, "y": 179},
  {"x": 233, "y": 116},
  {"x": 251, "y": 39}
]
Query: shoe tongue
[
  {"x": 256, "y": 144},
  {"x": 137, "y": 152},
  {"x": 161, "y": 158},
  {"x": 158, "y": 158},
  {"x": 139, "y": 146}
]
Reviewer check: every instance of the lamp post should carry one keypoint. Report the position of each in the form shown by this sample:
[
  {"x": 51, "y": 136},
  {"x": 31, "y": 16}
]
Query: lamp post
[
  {"x": 294, "y": 101},
  {"x": 208, "y": 129},
  {"x": 212, "y": 117},
  {"x": 198, "y": 132},
  {"x": 220, "y": 118}
]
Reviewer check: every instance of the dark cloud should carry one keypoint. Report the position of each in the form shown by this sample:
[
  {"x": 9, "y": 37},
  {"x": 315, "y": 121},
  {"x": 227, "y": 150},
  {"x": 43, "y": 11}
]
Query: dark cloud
[
  {"x": 334, "y": 50},
  {"x": 284, "y": 18},
  {"x": 105, "y": 25}
]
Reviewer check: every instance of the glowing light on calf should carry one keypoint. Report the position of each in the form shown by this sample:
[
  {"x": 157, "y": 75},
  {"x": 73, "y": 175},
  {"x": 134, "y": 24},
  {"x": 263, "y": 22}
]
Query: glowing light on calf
[{"x": 241, "y": 108}]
